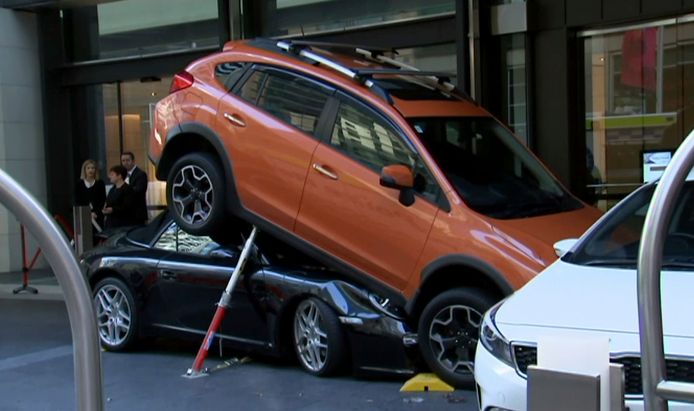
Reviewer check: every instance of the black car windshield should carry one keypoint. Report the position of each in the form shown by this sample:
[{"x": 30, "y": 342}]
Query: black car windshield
[
  {"x": 615, "y": 243},
  {"x": 490, "y": 169}
]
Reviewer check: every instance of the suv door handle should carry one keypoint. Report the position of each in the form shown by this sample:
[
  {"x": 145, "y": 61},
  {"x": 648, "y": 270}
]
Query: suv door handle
[
  {"x": 319, "y": 168},
  {"x": 234, "y": 119}
]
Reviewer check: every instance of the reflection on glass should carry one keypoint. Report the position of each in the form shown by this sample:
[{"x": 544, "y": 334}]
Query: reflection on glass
[
  {"x": 138, "y": 101},
  {"x": 490, "y": 169},
  {"x": 638, "y": 99},
  {"x": 111, "y": 126},
  {"x": 137, "y": 27},
  {"x": 441, "y": 57},
  {"x": 514, "y": 85},
  {"x": 291, "y": 17}
]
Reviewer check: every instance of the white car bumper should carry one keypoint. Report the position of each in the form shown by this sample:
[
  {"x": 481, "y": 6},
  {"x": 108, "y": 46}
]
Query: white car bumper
[{"x": 499, "y": 387}]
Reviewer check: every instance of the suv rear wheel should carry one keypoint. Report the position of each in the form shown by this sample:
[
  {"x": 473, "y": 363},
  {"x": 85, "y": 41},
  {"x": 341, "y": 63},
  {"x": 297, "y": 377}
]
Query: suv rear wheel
[
  {"x": 194, "y": 192},
  {"x": 448, "y": 332}
]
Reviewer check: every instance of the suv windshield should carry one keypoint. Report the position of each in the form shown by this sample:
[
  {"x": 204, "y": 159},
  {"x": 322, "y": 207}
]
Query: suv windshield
[
  {"x": 490, "y": 169},
  {"x": 615, "y": 243}
]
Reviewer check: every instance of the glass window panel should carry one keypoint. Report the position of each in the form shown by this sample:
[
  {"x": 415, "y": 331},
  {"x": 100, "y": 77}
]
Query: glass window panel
[
  {"x": 138, "y": 100},
  {"x": 251, "y": 88},
  {"x": 514, "y": 97},
  {"x": 111, "y": 127},
  {"x": 368, "y": 139},
  {"x": 193, "y": 244},
  {"x": 291, "y": 17},
  {"x": 293, "y": 100},
  {"x": 373, "y": 142},
  {"x": 638, "y": 87},
  {"x": 167, "y": 241},
  {"x": 137, "y": 27},
  {"x": 227, "y": 74},
  {"x": 441, "y": 57}
]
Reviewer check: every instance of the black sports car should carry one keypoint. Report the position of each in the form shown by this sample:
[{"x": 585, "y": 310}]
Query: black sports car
[{"x": 158, "y": 280}]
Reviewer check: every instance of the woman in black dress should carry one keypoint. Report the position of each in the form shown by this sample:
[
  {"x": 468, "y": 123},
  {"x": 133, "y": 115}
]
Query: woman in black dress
[
  {"x": 119, "y": 202},
  {"x": 91, "y": 191}
]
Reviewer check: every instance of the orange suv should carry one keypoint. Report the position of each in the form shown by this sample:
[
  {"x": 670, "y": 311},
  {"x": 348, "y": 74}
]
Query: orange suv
[{"x": 388, "y": 174}]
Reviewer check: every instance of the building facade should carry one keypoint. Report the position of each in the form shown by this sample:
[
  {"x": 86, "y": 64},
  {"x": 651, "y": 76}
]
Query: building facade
[{"x": 598, "y": 89}]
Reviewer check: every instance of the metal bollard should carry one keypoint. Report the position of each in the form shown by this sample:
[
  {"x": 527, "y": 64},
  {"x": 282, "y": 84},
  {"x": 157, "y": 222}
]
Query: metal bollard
[
  {"x": 80, "y": 308},
  {"x": 82, "y": 216},
  {"x": 656, "y": 389}
]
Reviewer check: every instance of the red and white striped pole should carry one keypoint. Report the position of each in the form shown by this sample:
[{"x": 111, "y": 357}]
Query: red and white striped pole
[{"x": 196, "y": 370}]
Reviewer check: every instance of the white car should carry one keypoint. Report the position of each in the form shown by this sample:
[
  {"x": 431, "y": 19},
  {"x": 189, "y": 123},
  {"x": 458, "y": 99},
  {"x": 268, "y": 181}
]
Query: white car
[{"x": 591, "y": 290}]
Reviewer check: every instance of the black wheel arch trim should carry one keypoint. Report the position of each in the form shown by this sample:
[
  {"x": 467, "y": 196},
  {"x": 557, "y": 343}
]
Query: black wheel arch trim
[{"x": 460, "y": 260}]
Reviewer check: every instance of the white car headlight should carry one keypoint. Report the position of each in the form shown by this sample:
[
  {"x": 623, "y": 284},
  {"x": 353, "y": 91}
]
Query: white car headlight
[{"x": 492, "y": 339}]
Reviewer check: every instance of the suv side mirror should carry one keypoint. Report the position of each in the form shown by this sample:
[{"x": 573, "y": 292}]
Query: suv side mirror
[{"x": 399, "y": 177}]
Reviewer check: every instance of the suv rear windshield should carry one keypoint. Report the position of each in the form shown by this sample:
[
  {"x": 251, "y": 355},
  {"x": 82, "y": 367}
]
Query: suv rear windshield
[
  {"x": 490, "y": 169},
  {"x": 615, "y": 243}
]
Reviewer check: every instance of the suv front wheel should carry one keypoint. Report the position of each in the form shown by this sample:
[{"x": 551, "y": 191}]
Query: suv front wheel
[
  {"x": 448, "y": 332},
  {"x": 194, "y": 193}
]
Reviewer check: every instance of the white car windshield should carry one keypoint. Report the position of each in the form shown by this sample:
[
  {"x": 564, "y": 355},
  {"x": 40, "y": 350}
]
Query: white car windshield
[
  {"x": 490, "y": 169},
  {"x": 615, "y": 242}
]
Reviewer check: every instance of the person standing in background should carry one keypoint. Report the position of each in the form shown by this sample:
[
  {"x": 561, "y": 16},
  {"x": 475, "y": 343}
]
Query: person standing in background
[
  {"x": 91, "y": 191},
  {"x": 119, "y": 201},
  {"x": 137, "y": 180}
]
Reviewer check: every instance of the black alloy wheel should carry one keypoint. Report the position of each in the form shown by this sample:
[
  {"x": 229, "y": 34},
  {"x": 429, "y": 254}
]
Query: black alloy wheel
[
  {"x": 448, "y": 332},
  {"x": 194, "y": 193}
]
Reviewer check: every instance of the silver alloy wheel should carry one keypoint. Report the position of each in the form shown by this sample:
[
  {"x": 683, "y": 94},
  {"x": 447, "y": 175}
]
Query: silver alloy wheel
[
  {"x": 453, "y": 334},
  {"x": 192, "y": 194},
  {"x": 113, "y": 315},
  {"x": 310, "y": 337}
]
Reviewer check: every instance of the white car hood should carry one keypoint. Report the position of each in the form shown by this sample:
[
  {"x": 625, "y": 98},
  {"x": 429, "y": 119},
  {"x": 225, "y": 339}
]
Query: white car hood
[{"x": 573, "y": 297}]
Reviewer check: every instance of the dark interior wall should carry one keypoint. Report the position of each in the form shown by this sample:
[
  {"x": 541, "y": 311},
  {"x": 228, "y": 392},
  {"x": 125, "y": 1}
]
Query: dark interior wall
[
  {"x": 58, "y": 141},
  {"x": 551, "y": 111}
]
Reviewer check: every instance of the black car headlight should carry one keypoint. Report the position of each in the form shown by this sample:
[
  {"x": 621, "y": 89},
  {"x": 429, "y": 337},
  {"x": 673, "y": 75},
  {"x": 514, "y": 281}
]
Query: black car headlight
[{"x": 492, "y": 339}]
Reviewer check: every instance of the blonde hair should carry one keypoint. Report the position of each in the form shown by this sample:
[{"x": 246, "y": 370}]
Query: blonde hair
[{"x": 83, "y": 172}]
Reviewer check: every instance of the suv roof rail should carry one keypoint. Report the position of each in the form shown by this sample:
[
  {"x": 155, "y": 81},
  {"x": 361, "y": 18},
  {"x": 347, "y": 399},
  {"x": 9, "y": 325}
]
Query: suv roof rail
[
  {"x": 440, "y": 81},
  {"x": 304, "y": 50},
  {"x": 342, "y": 46}
]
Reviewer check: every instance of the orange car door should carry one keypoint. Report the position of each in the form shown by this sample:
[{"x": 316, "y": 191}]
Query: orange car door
[
  {"x": 268, "y": 125},
  {"x": 347, "y": 213}
]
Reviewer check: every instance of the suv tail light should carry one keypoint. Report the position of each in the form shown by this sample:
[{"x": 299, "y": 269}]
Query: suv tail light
[{"x": 180, "y": 81}]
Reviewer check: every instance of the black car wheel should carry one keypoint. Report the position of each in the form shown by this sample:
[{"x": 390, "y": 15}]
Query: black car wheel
[
  {"x": 448, "y": 332},
  {"x": 116, "y": 314},
  {"x": 318, "y": 337},
  {"x": 194, "y": 192}
]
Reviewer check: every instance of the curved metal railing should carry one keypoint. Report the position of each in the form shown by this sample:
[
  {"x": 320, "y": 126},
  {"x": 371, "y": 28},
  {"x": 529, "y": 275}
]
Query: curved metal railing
[
  {"x": 656, "y": 389},
  {"x": 78, "y": 300}
]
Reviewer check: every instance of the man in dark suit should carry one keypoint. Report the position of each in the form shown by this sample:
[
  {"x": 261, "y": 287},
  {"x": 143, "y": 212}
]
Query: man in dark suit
[{"x": 137, "y": 179}]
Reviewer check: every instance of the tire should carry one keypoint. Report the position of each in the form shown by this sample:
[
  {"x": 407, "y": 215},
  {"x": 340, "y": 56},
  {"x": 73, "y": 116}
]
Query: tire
[
  {"x": 319, "y": 341},
  {"x": 116, "y": 314},
  {"x": 195, "y": 194},
  {"x": 448, "y": 332}
]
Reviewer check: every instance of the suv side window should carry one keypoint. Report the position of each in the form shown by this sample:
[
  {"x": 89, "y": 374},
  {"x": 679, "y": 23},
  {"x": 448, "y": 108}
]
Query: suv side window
[
  {"x": 251, "y": 88},
  {"x": 227, "y": 74},
  {"x": 371, "y": 140},
  {"x": 292, "y": 99}
]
